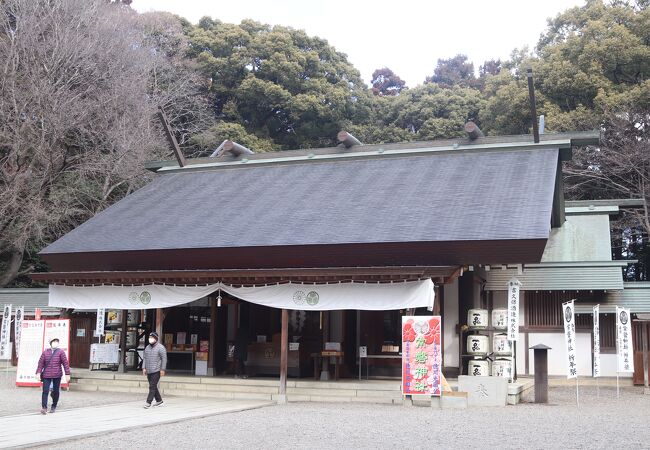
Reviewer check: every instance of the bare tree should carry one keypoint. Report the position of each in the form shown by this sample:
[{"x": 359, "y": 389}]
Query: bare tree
[
  {"x": 80, "y": 81},
  {"x": 619, "y": 167}
]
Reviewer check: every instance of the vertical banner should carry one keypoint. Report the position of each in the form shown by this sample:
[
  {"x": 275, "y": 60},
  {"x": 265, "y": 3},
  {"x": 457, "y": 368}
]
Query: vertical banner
[
  {"x": 18, "y": 327},
  {"x": 5, "y": 347},
  {"x": 513, "y": 309},
  {"x": 570, "y": 338},
  {"x": 596, "y": 341},
  {"x": 421, "y": 355},
  {"x": 31, "y": 347},
  {"x": 99, "y": 325},
  {"x": 624, "y": 340}
]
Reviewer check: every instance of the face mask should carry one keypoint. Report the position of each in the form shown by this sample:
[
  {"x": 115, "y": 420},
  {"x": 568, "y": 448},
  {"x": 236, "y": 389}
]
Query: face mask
[
  {"x": 54, "y": 344},
  {"x": 152, "y": 341}
]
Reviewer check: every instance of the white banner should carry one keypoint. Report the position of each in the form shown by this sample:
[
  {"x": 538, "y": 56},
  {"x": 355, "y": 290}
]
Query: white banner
[
  {"x": 624, "y": 340},
  {"x": 513, "y": 309},
  {"x": 18, "y": 327},
  {"x": 298, "y": 296},
  {"x": 99, "y": 325},
  {"x": 5, "y": 345},
  {"x": 596, "y": 341},
  {"x": 31, "y": 347},
  {"x": 570, "y": 339}
]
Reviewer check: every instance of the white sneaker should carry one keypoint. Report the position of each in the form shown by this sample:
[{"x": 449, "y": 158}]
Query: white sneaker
[
  {"x": 158, "y": 403},
  {"x": 147, "y": 405}
]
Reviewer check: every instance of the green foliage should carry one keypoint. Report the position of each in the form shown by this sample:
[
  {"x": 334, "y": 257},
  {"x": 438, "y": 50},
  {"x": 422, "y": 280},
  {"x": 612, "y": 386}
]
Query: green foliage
[
  {"x": 456, "y": 71},
  {"x": 277, "y": 82}
]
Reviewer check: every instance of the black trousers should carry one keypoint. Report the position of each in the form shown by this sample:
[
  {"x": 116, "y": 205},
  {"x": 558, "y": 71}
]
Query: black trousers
[
  {"x": 153, "y": 379},
  {"x": 56, "y": 385}
]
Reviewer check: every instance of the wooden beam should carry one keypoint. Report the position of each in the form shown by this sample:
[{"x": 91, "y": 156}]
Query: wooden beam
[
  {"x": 439, "y": 274},
  {"x": 558, "y": 214},
  {"x": 125, "y": 314},
  {"x": 284, "y": 356},
  {"x": 533, "y": 106},
  {"x": 180, "y": 158}
]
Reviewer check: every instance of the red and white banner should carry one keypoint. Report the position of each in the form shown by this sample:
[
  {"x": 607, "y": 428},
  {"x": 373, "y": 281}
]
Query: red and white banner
[
  {"x": 35, "y": 338},
  {"x": 421, "y": 355}
]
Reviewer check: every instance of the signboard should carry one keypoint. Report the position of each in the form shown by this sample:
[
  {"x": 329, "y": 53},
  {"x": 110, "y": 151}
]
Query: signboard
[
  {"x": 35, "y": 337},
  {"x": 570, "y": 338},
  {"x": 112, "y": 337},
  {"x": 421, "y": 355},
  {"x": 5, "y": 345},
  {"x": 624, "y": 340},
  {"x": 31, "y": 347},
  {"x": 513, "y": 309},
  {"x": 99, "y": 325},
  {"x": 363, "y": 351},
  {"x": 60, "y": 329},
  {"x": 596, "y": 341},
  {"x": 104, "y": 354},
  {"x": 18, "y": 327}
]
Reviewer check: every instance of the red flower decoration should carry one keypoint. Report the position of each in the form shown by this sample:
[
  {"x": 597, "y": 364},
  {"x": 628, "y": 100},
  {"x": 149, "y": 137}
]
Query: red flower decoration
[
  {"x": 433, "y": 335},
  {"x": 408, "y": 334}
]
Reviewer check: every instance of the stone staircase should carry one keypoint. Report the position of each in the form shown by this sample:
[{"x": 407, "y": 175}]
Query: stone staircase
[{"x": 366, "y": 391}]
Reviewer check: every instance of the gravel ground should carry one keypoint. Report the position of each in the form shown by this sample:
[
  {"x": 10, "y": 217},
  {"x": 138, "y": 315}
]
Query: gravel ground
[
  {"x": 24, "y": 400},
  {"x": 603, "y": 422}
]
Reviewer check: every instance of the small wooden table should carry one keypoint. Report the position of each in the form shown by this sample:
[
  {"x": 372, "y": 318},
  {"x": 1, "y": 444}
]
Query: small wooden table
[{"x": 318, "y": 361}]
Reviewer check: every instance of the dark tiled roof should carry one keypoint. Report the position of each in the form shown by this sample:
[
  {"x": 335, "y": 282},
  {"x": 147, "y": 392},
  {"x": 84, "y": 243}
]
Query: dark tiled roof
[{"x": 454, "y": 196}]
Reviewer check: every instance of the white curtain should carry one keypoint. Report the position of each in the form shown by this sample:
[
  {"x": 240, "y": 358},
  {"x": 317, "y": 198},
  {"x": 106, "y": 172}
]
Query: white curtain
[{"x": 298, "y": 296}]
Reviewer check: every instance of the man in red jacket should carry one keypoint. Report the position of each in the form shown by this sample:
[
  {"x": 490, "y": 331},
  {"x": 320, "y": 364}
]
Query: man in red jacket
[{"x": 50, "y": 373}]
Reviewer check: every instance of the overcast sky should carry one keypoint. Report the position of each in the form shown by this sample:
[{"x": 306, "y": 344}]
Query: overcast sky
[{"x": 407, "y": 36}]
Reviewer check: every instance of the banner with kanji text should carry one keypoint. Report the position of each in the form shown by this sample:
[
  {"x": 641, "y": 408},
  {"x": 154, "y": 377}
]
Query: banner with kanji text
[{"x": 421, "y": 355}]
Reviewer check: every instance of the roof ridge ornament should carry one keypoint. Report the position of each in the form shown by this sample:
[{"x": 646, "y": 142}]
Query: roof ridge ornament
[
  {"x": 347, "y": 139},
  {"x": 473, "y": 131}
]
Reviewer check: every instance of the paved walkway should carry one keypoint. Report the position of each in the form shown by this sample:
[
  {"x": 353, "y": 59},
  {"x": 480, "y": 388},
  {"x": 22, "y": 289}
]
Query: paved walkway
[{"x": 35, "y": 429}]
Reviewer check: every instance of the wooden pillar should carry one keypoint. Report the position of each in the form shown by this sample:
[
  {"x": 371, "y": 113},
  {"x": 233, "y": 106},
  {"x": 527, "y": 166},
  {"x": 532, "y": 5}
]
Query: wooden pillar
[
  {"x": 160, "y": 316},
  {"x": 123, "y": 340},
  {"x": 325, "y": 370},
  {"x": 284, "y": 356},
  {"x": 213, "y": 336},
  {"x": 644, "y": 338}
]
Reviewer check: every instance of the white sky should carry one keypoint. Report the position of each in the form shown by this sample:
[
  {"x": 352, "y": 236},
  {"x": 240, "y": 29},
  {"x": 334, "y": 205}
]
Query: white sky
[{"x": 407, "y": 36}]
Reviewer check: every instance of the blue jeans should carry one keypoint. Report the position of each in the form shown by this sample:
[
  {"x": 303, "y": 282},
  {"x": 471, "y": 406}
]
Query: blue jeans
[{"x": 56, "y": 384}]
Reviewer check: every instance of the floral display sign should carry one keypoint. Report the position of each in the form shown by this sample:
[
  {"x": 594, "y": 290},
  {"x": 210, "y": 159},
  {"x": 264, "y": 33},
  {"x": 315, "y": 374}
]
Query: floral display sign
[{"x": 421, "y": 355}]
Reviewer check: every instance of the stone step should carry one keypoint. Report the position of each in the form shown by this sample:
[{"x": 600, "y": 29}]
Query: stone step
[{"x": 257, "y": 389}]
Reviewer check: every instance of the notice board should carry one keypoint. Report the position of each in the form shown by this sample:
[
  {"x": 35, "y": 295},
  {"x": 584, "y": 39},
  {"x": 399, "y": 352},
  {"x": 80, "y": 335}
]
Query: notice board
[{"x": 35, "y": 337}]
